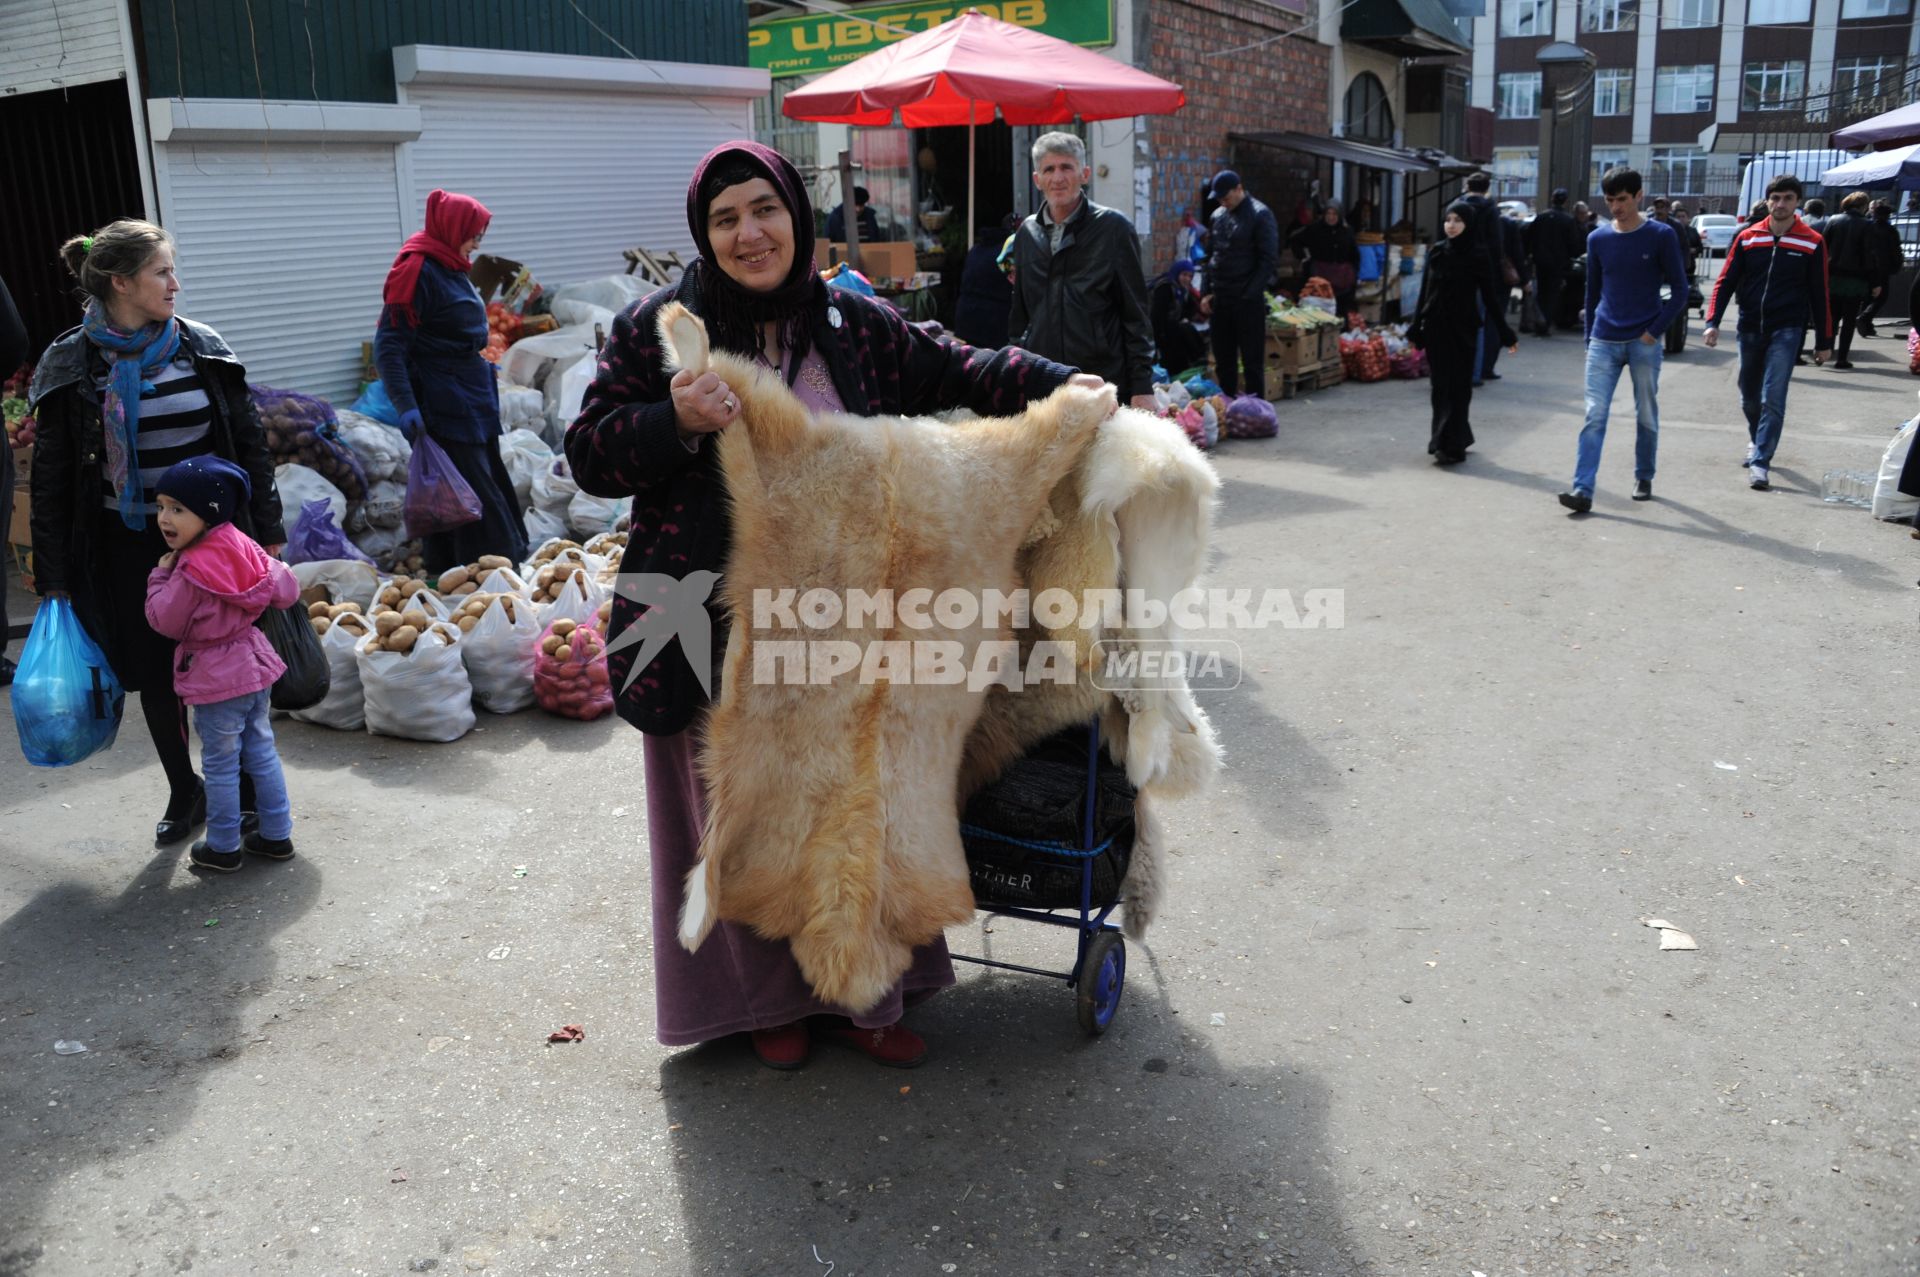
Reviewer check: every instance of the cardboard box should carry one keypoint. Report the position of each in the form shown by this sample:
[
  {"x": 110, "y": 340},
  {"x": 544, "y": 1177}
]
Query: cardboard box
[
  {"x": 20, "y": 531},
  {"x": 1290, "y": 349},
  {"x": 490, "y": 274},
  {"x": 884, "y": 260}
]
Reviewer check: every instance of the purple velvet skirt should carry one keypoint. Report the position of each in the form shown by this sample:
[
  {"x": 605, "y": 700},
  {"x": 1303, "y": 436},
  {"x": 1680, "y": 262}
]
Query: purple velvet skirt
[{"x": 736, "y": 981}]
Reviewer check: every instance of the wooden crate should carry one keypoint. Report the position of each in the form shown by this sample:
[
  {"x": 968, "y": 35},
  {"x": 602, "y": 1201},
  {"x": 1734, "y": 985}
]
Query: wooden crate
[
  {"x": 1329, "y": 344},
  {"x": 1306, "y": 380}
]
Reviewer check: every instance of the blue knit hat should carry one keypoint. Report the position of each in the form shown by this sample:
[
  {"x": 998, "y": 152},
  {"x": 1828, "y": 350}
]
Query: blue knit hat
[
  {"x": 1223, "y": 181},
  {"x": 212, "y": 487}
]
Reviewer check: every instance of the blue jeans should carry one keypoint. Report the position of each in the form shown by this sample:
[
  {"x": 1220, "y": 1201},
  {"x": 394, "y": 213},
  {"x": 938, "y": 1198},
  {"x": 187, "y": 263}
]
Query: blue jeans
[
  {"x": 235, "y": 734},
  {"x": 1766, "y": 365},
  {"x": 1605, "y": 359}
]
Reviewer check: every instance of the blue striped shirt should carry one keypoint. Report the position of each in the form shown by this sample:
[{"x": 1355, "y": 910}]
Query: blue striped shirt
[{"x": 176, "y": 419}]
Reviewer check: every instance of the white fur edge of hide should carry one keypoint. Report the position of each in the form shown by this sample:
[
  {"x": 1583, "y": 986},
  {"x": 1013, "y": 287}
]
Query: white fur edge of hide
[{"x": 1157, "y": 495}]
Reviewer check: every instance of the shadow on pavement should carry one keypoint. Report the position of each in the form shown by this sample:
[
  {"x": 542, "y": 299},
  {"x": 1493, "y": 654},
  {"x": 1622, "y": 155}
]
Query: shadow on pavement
[
  {"x": 156, "y": 994},
  {"x": 1020, "y": 1147},
  {"x": 1862, "y": 571},
  {"x": 1242, "y": 501}
]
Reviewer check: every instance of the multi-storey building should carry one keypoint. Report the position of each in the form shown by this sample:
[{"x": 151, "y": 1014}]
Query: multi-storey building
[{"x": 1687, "y": 91}]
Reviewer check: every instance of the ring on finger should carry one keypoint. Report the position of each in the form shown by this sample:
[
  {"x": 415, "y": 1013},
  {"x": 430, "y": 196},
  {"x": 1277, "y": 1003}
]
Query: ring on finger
[{"x": 730, "y": 405}]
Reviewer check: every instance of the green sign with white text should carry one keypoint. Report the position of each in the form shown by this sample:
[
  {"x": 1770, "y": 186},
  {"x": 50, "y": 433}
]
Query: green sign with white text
[{"x": 823, "y": 41}]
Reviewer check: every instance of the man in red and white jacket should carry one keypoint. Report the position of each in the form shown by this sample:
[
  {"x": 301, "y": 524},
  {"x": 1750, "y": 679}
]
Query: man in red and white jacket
[{"x": 1778, "y": 270}]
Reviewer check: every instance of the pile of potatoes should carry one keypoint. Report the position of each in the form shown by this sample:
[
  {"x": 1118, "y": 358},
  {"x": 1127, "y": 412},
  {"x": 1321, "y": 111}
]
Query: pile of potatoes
[
  {"x": 466, "y": 580},
  {"x": 474, "y": 606},
  {"x": 552, "y": 550},
  {"x": 552, "y": 578},
  {"x": 324, "y": 616},
  {"x": 396, "y": 592},
  {"x": 401, "y": 631}
]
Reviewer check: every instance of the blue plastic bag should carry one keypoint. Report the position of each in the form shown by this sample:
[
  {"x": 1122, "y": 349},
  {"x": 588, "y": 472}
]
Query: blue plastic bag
[
  {"x": 374, "y": 402},
  {"x": 66, "y": 701},
  {"x": 1202, "y": 387},
  {"x": 316, "y": 537}
]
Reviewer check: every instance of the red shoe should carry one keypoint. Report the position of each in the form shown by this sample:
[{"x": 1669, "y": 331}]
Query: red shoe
[
  {"x": 784, "y": 1047},
  {"x": 891, "y": 1045}
]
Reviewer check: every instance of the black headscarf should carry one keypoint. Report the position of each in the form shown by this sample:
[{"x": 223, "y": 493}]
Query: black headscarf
[
  {"x": 1466, "y": 213},
  {"x": 734, "y": 314}
]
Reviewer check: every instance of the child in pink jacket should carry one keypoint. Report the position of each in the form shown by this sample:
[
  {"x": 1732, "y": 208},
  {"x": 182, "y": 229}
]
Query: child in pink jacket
[{"x": 211, "y": 586}]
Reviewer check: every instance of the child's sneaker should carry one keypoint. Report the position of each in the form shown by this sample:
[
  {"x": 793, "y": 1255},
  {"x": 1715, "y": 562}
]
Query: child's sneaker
[
  {"x": 204, "y": 857},
  {"x": 271, "y": 848}
]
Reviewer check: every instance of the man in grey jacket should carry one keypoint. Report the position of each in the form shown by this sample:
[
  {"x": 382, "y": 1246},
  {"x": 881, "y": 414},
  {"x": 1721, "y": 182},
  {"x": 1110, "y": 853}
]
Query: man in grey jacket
[
  {"x": 1079, "y": 294},
  {"x": 1244, "y": 249}
]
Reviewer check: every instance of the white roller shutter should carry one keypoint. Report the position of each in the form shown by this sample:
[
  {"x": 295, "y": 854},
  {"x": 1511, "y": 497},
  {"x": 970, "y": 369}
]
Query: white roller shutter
[
  {"x": 48, "y": 43},
  {"x": 284, "y": 249},
  {"x": 572, "y": 177}
]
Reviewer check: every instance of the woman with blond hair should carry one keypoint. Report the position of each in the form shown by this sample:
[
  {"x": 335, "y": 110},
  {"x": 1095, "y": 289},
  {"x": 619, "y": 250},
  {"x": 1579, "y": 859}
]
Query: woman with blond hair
[{"x": 133, "y": 390}]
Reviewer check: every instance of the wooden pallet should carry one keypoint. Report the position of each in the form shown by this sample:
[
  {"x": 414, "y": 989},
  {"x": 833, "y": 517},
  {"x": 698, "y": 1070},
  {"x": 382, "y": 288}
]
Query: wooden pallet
[{"x": 1306, "y": 379}]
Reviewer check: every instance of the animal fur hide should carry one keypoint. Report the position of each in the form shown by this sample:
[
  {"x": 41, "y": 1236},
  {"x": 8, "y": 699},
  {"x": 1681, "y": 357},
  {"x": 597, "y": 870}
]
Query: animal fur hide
[
  {"x": 833, "y": 819},
  {"x": 1134, "y": 514}
]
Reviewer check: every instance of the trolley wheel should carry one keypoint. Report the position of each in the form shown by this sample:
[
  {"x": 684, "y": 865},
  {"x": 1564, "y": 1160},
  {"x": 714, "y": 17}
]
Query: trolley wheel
[{"x": 1102, "y": 974}]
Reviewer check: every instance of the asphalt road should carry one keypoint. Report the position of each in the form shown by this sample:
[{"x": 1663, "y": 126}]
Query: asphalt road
[{"x": 1401, "y": 1015}]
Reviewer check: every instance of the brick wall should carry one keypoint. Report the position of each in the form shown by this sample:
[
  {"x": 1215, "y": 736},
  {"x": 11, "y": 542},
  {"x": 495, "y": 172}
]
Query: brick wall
[{"x": 1277, "y": 86}]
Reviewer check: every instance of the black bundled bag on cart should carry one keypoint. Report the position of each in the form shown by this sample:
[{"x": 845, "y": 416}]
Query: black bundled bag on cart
[{"x": 1042, "y": 799}]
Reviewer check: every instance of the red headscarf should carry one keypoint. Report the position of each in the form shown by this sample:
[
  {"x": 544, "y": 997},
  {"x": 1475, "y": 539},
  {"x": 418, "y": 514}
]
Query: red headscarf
[{"x": 452, "y": 220}]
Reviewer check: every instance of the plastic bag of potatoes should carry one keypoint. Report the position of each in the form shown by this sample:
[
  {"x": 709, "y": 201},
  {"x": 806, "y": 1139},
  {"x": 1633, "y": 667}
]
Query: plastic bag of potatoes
[
  {"x": 414, "y": 677},
  {"x": 499, "y": 634},
  {"x": 344, "y": 706}
]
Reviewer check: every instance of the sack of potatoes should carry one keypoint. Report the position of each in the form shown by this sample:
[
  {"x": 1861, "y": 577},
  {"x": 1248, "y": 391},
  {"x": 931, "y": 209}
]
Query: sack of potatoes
[
  {"x": 466, "y": 579},
  {"x": 551, "y": 579},
  {"x": 403, "y": 631},
  {"x": 570, "y": 671},
  {"x": 469, "y": 610},
  {"x": 551, "y": 549},
  {"x": 324, "y": 616}
]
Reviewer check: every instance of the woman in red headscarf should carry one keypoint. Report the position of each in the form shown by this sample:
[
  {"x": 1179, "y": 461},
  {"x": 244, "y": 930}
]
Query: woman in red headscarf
[{"x": 433, "y": 327}]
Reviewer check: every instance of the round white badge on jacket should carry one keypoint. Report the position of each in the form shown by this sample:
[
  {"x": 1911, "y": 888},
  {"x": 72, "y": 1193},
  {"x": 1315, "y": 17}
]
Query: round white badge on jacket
[{"x": 833, "y": 316}]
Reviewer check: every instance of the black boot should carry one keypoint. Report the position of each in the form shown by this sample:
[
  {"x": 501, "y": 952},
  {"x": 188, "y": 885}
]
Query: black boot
[{"x": 185, "y": 813}]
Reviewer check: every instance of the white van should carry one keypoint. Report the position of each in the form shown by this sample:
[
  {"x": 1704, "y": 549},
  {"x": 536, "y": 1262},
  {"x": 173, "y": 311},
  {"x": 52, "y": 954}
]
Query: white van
[{"x": 1805, "y": 165}]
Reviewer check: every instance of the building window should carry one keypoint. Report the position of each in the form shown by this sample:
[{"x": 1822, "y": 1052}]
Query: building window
[
  {"x": 1516, "y": 172},
  {"x": 1773, "y": 86},
  {"x": 1872, "y": 8},
  {"x": 1762, "y": 13},
  {"x": 1613, "y": 92},
  {"x": 1609, "y": 15},
  {"x": 1862, "y": 80},
  {"x": 1369, "y": 114},
  {"x": 1683, "y": 90},
  {"x": 1678, "y": 15},
  {"x": 1526, "y": 17},
  {"x": 1519, "y": 94},
  {"x": 1677, "y": 170},
  {"x": 1604, "y": 158}
]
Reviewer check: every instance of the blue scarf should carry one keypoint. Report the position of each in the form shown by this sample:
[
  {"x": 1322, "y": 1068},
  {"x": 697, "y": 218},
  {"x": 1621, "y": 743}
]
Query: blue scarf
[{"x": 132, "y": 358}]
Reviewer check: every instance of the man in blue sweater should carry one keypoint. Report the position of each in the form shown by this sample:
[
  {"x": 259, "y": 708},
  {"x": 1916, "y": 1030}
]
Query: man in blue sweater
[{"x": 1627, "y": 262}]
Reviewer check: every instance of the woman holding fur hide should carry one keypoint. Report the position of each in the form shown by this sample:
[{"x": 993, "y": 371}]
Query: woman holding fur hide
[{"x": 644, "y": 434}]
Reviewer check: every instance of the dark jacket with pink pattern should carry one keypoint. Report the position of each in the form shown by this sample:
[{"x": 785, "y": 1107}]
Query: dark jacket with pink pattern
[{"x": 626, "y": 443}]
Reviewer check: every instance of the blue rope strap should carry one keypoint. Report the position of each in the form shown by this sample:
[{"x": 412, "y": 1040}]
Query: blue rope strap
[{"x": 1052, "y": 849}]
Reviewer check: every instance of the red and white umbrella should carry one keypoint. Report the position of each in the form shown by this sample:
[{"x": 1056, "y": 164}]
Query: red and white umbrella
[{"x": 966, "y": 70}]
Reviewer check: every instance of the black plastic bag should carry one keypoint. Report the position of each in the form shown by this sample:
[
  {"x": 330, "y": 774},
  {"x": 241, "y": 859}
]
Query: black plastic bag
[
  {"x": 307, "y": 680},
  {"x": 1023, "y": 833}
]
